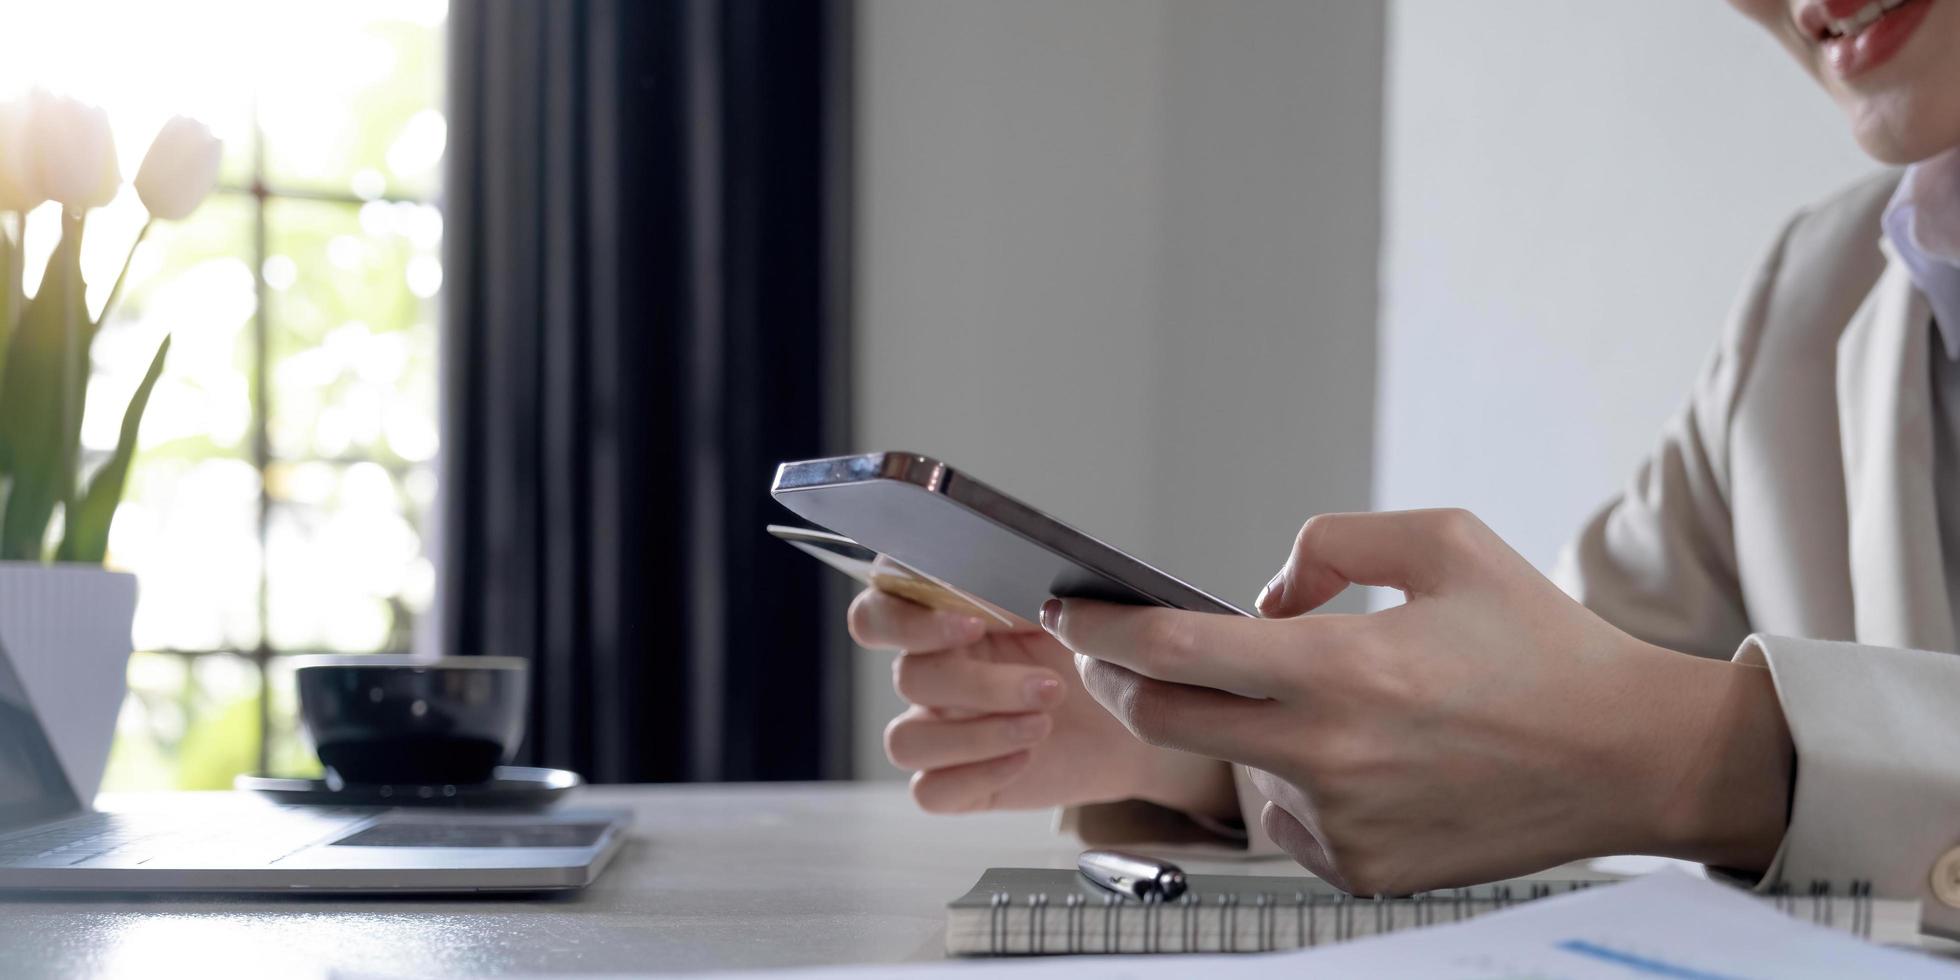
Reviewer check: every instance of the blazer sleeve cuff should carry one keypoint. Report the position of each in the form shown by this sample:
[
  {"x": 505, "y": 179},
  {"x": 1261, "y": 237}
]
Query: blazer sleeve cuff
[{"x": 1877, "y": 792}]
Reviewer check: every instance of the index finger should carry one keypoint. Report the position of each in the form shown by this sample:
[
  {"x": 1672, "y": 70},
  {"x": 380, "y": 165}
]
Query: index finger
[
  {"x": 1229, "y": 653},
  {"x": 882, "y": 621}
]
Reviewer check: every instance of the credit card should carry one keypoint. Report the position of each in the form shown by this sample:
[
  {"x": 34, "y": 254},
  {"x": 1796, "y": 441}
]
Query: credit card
[{"x": 891, "y": 576}]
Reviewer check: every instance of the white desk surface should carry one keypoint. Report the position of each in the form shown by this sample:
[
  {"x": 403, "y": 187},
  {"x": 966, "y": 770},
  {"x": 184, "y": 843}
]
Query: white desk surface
[{"x": 714, "y": 877}]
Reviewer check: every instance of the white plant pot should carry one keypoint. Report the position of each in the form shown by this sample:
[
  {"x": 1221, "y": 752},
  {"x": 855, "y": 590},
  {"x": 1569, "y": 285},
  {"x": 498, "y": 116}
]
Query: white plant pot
[{"x": 65, "y": 628}]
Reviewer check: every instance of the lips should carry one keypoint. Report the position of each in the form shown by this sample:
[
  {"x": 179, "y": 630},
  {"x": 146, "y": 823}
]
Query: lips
[
  {"x": 1857, "y": 36},
  {"x": 1829, "y": 19}
]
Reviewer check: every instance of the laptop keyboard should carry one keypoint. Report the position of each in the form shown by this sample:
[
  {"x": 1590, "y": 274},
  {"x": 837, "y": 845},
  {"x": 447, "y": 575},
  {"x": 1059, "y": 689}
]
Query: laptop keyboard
[{"x": 99, "y": 835}]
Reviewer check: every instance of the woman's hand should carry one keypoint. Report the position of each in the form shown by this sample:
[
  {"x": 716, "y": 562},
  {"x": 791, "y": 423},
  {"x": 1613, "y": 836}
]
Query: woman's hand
[
  {"x": 999, "y": 720},
  {"x": 1488, "y": 727}
]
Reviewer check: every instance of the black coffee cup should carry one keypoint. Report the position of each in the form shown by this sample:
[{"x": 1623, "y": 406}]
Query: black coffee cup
[{"x": 395, "y": 720}]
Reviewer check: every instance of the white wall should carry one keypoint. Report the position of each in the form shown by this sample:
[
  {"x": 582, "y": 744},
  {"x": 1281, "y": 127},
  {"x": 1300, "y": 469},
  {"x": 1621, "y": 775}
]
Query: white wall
[
  {"x": 1117, "y": 257},
  {"x": 1007, "y": 236},
  {"x": 1265, "y": 366},
  {"x": 1575, "y": 193},
  {"x": 1007, "y": 177}
]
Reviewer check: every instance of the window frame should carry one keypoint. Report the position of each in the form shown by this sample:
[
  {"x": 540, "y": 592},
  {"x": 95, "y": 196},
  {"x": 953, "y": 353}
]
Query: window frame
[{"x": 262, "y": 192}]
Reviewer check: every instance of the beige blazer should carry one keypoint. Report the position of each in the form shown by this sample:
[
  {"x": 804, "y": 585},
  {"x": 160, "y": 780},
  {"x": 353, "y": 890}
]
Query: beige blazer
[{"x": 1787, "y": 517}]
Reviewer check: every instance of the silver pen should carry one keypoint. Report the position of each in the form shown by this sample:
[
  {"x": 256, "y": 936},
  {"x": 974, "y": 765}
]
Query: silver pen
[{"x": 1144, "y": 879}]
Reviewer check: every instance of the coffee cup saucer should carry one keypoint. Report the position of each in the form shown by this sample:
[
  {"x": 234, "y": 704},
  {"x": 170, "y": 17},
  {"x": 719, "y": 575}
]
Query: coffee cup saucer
[{"x": 509, "y": 787}]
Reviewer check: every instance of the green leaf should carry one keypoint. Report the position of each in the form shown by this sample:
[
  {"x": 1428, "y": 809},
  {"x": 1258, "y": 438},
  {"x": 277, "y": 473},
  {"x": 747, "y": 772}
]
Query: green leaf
[
  {"x": 87, "y": 537},
  {"x": 42, "y": 387}
]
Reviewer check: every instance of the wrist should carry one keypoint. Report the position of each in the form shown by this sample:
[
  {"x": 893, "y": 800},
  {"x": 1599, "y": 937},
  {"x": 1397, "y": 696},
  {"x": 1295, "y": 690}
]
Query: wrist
[
  {"x": 1189, "y": 784},
  {"x": 1722, "y": 775}
]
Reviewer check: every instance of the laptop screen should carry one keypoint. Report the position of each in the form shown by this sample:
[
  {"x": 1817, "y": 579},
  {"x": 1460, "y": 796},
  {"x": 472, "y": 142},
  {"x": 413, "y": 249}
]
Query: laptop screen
[{"x": 32, "y": 786}]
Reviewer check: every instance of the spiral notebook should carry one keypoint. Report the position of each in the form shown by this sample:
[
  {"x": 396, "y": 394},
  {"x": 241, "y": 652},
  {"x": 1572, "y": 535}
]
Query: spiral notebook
[{"x": 1033, "y": 911}]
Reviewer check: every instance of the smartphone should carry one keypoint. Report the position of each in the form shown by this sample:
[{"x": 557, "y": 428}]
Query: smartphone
[{"x": 958, "y": 531}]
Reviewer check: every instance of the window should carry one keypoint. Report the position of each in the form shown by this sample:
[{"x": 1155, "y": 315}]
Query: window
[{"x": 279, "y": 501}]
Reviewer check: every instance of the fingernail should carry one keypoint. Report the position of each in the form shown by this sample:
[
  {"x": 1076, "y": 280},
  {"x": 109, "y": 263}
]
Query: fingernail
[
  {"x": 1041, "y": 691},
  {"x": 1273, "y": 591},
  {"x": 964, "y": 626},
  {"x": 1027, "y": 728},
  {"x": 1051, "y": 613}
]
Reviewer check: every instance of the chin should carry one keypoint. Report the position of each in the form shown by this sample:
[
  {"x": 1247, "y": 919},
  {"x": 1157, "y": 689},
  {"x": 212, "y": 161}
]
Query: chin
[
  {"x": 1905, "y": 137},
  {"x": 1892, "y": 66},
  {"x": 1897, "y": 149}
]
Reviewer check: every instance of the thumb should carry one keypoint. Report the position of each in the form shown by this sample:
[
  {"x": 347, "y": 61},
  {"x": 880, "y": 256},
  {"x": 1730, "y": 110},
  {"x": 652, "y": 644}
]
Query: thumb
[
  {"x": 1405, "y": 550},
  {"x": 1299, "y": 843}
]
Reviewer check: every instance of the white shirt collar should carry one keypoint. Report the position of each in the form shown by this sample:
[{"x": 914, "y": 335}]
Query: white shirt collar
[{"x": 1923, "y": 223}]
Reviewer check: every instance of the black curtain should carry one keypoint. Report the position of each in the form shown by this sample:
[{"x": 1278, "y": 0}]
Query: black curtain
[{"x": 644, "y": 312}]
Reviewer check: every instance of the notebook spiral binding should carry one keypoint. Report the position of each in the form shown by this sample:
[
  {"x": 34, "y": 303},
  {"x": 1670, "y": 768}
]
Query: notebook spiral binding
[{"x": 1300, "y": 920}]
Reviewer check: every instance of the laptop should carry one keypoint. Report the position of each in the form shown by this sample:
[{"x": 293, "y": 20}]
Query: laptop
[{"x": 233, "y": 842}]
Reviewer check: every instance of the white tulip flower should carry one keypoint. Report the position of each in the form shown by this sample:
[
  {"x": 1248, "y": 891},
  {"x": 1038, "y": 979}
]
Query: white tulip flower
[
  {"x": 20, "y": 186},
  {"x": 74, "y": 152},
  {"x": 180, "y": 168}
]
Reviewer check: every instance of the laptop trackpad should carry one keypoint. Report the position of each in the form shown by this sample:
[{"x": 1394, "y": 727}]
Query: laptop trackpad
[{"x": 476, "y": 835}]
